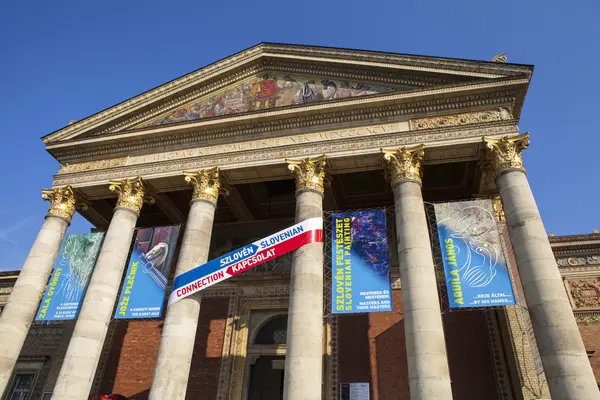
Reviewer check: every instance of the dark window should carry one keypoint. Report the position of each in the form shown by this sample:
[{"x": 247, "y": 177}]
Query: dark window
[
  {"x": 273, "y": 332},
  {"x": 21, "y": 386}
]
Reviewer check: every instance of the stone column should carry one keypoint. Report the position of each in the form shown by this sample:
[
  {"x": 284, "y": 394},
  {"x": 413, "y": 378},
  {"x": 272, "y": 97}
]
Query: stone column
[
  {"x": 428, "y": 372},
  {"x": 178, "y": 336},
  {"x": 76, "y": 375},
  {"x": 28, "y": 290},
  {"x": 303, "y": 374},
  {"x": 563, "y": 354}
]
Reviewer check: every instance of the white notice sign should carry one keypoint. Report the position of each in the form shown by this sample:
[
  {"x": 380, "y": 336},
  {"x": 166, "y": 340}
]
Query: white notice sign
[{"x": 354, "y": 391}]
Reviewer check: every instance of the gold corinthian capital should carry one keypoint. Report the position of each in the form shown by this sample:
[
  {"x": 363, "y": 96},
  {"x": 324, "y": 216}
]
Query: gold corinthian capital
[
  {"x": 62, "y": 202},
  {"x": 206, "y": 183},
  {"x": 404, "y": 164},
  {"x": 131, "y": 194},
  {"x": 505, "y": 152},
  {"x": 309, "y": 173}
]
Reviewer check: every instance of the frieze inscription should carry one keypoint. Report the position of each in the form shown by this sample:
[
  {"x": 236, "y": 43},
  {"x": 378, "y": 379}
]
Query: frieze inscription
[
  {"x": 269, "y": 143},
  {"x": 262, "y": 291}
]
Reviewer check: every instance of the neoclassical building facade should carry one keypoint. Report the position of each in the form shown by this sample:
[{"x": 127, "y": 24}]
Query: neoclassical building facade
[{"x": 278, "y": 134}]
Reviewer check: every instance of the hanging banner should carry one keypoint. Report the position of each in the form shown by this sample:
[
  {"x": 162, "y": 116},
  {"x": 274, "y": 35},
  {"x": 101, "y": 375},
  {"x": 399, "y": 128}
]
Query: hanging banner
[
  {"x": 143, "y": 291},
  {"x": 70, "y": 277},
  {"x": 360, "y": 263},
  {"x": 474, "y": 264},
  {"x": 247, "y": 257}
]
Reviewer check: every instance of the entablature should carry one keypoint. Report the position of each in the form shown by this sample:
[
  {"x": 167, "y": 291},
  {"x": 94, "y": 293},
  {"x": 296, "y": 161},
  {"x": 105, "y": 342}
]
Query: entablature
[{"x": 447, "y": 137}]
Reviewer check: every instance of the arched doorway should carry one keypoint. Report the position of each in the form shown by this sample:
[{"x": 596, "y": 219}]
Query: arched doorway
[{"x": 266, "y": 359}]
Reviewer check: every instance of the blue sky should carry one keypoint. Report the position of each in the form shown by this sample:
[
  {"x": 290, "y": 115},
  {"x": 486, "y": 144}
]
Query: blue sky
[{"x": 66, "y": 60}]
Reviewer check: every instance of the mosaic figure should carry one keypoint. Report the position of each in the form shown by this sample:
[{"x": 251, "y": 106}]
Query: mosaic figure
[{"x": 265, "y": 92}]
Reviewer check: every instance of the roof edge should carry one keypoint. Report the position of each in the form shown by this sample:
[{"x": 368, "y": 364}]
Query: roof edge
[{"x": 275, "y": 48}]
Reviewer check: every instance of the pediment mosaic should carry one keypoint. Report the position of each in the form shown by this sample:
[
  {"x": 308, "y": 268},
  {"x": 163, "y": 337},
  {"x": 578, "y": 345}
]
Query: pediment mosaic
[{"x": 269, "y": 90}]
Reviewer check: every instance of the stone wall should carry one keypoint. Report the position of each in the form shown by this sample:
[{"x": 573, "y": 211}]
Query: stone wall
[{"x": 372, "y": 349}]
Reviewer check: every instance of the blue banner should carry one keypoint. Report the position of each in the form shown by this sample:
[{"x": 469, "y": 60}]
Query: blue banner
[
  {"x": 360, "y": 263},
  {"x": 474, "y": 264},
  {"x": 143, "y": 291},
  {"x": 69, "y": 280}
]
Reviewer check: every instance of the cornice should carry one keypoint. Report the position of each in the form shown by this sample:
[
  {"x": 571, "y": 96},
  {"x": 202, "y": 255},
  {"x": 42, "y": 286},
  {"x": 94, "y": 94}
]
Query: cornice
[
  {"x": 308, "y": 54},
  {"x": 578, "y": 249},
  {"x": 587, "y": 317},
  {"x": 275, "y": 155},
  {"x": 581, "y": 271},
  {"x": 244, "y": 126},
  {"x": 434, "y": 64},
  {"x": 557, "y": 241}
]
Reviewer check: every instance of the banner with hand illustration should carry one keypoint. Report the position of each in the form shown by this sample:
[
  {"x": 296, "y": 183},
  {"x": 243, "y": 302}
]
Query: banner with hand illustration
[{"x": 474, "y": 265}]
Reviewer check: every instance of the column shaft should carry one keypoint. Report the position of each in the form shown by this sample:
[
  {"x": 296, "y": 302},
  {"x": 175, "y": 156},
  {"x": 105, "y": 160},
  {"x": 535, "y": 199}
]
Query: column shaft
[
  {"x": 563, "y": 354},
  {"x": 26, "y": 294},
  {"x": 179, "y": 330},
  {"x": 428, "y": 370},
  {"x": 81, "y": 360},
  {"x": 304, "y": 355}
]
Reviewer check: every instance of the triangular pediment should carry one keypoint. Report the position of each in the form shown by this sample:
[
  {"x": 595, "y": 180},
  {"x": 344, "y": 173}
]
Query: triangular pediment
[{"x": 293, "y": 79}]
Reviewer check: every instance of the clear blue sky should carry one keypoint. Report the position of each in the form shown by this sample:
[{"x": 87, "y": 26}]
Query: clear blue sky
[{"x": 66, "y": 60}]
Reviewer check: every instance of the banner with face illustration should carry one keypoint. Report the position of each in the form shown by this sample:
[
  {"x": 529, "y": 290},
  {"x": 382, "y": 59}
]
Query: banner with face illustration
[
  {"x": 474, "y": 264},
  {"x": 143, "y": 291},
  {"x": 360, "y": 263},
  {"x": 70, "y": 277}
]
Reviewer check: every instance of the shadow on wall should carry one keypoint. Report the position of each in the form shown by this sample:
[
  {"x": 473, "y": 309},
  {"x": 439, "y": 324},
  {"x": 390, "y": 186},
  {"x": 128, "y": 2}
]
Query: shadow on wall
[
  {"x": 373, "y": 349},
  {"x": 471, "y": 367},
  {"x": 134, "y": 350},
  {"x": 392, "y": 365}
]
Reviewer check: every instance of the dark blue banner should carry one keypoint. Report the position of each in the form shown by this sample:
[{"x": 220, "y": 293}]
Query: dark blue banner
[
  {"x": 143, "y": 291},
  {"x": 474, "y": 264},
  {"x": 70, "y": 277},
  {"x": 360, "y": 263}
]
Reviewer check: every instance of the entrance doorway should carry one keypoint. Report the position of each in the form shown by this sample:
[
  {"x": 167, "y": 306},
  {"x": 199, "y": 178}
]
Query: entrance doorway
[
  {"x": 266, "y": 378},
  {"x": 266, "y": 359}
]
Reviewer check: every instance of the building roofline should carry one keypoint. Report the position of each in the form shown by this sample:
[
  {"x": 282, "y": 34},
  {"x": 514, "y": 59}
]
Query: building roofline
[{"x": 290, "y": 46}]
